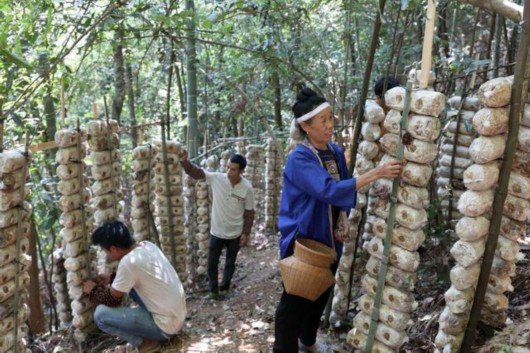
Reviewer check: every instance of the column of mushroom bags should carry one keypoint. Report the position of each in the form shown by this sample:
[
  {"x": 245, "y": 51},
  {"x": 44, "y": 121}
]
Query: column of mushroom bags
[
  {"x": 480, "y": 179},
  {"x": 190, "y": 228},
  {"x": 169, "y": 204},
  {"x": 13, "y": 286},
  {"x": 223, "y": 161},
  {"x": 367, "y": 152},
  {"x": 412, "y": 200},
  {"x": 60, "y": 290},
  {"x": 104, "y": 145},
  {"x": 273, "y": 185},
  {"x": 462, "y": 160},
  {"x": 254, "y": 172},
  {"x": 142, "y": 195},
  {"x": 76, "y": 222},
  {"x": 241, "y": 147}
]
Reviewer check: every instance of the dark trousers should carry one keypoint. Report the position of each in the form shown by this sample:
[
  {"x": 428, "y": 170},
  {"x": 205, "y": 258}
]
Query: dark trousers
[
  {"x": 214, "y": 253},
  {"x": 297, "y": 318}
]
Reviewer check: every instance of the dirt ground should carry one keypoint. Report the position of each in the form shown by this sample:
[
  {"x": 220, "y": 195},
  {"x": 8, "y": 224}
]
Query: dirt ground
[{"x": 243, "y": 322}]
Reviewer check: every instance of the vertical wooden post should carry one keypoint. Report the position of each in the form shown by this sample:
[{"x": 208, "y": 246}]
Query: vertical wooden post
[
  {"x": 426, "y": 56},
  {"x": 95, "y": 112}
]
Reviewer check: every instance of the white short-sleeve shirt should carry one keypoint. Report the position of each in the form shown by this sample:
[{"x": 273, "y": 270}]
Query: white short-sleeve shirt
[
  {"x": 149, "y": 272},
  {"x": 229, "y": 204}
]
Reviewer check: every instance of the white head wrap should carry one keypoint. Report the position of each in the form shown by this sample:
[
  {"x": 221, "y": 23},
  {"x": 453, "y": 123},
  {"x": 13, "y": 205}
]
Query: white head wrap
[{"x": 313, "y": 112}]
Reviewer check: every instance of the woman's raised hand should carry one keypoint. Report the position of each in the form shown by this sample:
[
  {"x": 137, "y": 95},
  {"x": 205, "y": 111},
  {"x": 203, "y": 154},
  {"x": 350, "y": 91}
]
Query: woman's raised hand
[{"x": 389, "y": 169}]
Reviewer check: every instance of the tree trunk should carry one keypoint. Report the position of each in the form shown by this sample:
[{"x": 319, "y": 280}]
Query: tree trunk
[
  {"x": 220, "y": 62},
  {"x": 512, "y": 48},
  {"x": 443, "y": 32},
  {"x": 171, "y": 64},
  {"x": 37, "y": 320},
  {"x": 366, "y": 81},
  {"x": 49, "y": 108},
  {"x": 180, "y": 89},
  {"x": 504, "y": 7},
  {"x": 119, "y": 76},
  {"x": 498, "y": 39},
  {"x": 191, "y": 73},
  {"x": 130, "y": 103},
  {"x": 275, "y": 80}
]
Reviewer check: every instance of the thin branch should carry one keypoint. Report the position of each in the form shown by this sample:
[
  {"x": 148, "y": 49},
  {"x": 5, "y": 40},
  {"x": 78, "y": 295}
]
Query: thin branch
[{"x": 37, "y": 82}]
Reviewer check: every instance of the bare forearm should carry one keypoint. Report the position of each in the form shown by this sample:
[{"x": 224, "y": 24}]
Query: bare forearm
[
  {"x": 248, "y": 220},
  {"x": 366, "y": 179},
  {"x": 192, "y": 170},
  {"x": 390, "y": 169}
]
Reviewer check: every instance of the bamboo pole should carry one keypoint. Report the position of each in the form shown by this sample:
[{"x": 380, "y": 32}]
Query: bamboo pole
[
  {"x": 426, "y": 56},
  {"x": 17, "y": 244},
  {"x": 390, "y": 225},
  {"x": 519, "y": 92},
  {"x": 205, "y": 153}
]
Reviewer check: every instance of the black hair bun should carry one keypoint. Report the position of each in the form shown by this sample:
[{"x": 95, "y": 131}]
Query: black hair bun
[{"x": 305, "y": 94}]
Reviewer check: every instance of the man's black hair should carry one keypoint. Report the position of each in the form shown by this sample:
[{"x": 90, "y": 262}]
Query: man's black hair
[
  {"x": 380, "y": 83},
  {"x": 112, "y": 233},
  {"x": 239, "y": 159}
]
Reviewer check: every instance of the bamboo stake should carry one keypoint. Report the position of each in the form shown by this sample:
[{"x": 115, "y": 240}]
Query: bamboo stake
[
  {"x": 519, "y": 91},
  {"x": 149, "y": 213},
  {"x": 109, "y": 146},
  {"x": 82, "y": 196},
  {"x": 17, "y": 246},
  {"x": 426, "y": 56},
  {"x": 390, "y": 225},
  {"x": 168, "y": 198}
]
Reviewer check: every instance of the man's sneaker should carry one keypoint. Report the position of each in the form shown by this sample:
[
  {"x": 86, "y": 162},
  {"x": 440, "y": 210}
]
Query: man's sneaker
[
  {"x": 224, "y": 293},
  {"x": 215, "y": 296}
]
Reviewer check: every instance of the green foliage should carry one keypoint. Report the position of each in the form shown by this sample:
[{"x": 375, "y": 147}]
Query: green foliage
[{"x": 241, "y": 46}]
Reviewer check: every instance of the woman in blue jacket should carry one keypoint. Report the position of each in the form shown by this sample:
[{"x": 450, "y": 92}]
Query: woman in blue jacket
[{"x": 317, "y": 194}]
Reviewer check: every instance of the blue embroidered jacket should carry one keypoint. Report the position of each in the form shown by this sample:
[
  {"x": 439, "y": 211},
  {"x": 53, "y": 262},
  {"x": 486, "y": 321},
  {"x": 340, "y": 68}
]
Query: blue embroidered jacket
[{"x": 308, "y": 194}]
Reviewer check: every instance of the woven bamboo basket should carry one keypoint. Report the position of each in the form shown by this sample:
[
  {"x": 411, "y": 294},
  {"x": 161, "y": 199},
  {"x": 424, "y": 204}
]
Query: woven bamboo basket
[{"x": 307, "y": 273}]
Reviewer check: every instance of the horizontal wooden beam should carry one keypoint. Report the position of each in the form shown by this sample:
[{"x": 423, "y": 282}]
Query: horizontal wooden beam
[
  {"x": 506, "y": 8},
  {"x": 42, "y": 146}
]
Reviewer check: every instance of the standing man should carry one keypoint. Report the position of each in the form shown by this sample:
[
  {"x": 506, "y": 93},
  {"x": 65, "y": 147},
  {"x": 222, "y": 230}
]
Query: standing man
[
  {"x": 231, "y": 219},
  {"x": 150, "y": 280}
]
